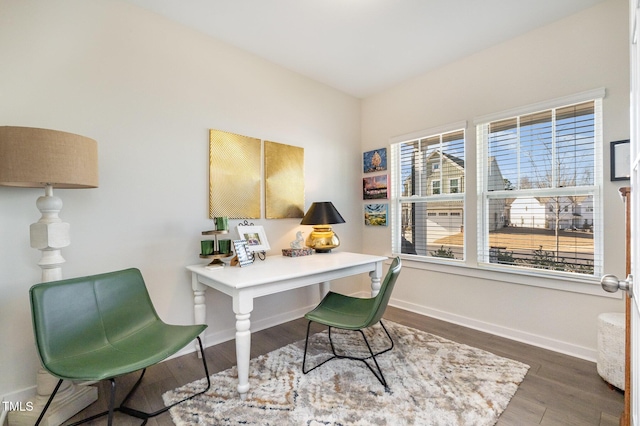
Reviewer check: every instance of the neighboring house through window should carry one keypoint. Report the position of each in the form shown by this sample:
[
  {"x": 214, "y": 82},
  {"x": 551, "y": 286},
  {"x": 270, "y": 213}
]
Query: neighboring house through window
[
  {"x": 430, "y": 209},
  {"x": 539, "y": 173},
  {"x": 539, "y": 179}
]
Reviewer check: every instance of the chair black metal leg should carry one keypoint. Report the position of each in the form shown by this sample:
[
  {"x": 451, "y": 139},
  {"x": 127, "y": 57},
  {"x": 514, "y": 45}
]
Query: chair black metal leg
[
  {"x": 390, "y": 339},
  {"x": 112, "y": 400},
  {"x": 140, "y": 414},
  {"x": 306, "y": 344},
  {"x": 333, "y": 348},
  {"x": 356, "y": 358},
  {"x": 110, "y": 410},
  {"x": 206, "y": 372},
  {"x": 373, "y": 355},
  {"x": 304, "y": 357},
  {"x": 46, "y": 406},
  {"x": 380, "y": 377}
]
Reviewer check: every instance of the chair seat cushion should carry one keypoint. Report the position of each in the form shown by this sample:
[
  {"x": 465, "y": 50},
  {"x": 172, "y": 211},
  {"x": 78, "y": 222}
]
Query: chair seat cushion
[
  {"x": 346, "y": 312},
  {"x": 140, "y": 349}
]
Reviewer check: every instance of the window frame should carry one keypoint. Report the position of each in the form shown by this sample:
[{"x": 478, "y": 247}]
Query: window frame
[
  {"x": 469, "y": 268},
  {"x": 396, "y": 200},
  {"x": 595, "y": 190},
  {"x": 435, "y": 187},
  {"x": 456, "y": 186}
]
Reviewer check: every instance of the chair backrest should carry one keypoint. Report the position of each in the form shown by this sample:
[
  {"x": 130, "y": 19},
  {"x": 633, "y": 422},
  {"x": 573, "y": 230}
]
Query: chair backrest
[
  {"x": 382, "y": 298},
  {"x": 78, "y": 315}
]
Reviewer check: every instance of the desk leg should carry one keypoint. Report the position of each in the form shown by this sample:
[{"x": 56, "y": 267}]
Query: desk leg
[
  {"x": 325, "y": 286},
  {"x": 242, "y": 307},
  {"x": 243, "y": 352},
  {"x": 199, "y": 307},
  {"x": 376, "y": 275}
]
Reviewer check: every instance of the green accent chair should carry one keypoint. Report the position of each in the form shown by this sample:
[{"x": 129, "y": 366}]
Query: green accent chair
[
  {"x": 104, "y": 326},
  {"x": 353, "y": 313}
]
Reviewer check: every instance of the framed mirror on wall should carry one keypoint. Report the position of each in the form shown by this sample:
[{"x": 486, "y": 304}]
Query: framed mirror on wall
[{"x": 620, "y": 160}]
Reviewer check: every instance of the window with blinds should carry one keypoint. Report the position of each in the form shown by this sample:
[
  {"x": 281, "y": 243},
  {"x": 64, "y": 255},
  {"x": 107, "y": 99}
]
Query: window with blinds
[
  {"x": 428, "y": 195},
  {"x": 539, "y": 176}
]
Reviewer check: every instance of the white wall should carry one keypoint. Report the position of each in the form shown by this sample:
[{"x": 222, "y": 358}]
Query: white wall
[
  {"x": 147, "y": 91},
  {"x": 586, "y": 51}
]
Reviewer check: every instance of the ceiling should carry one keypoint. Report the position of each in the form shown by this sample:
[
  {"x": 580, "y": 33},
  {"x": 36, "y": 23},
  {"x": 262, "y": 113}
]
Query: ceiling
[{"x": 362, "y": 47}]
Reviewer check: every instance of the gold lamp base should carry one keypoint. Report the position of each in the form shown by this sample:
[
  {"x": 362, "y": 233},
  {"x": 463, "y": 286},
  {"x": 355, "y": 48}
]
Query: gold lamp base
[{"x": 322, "y": 239}]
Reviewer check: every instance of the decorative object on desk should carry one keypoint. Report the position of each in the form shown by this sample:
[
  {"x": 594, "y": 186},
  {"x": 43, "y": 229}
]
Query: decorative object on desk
[
  {"x": 224, "y": 246},
  {"x": 234, "y": 175},
  {"x": 306, "y": 251},
  {"x": 255, "y": 237},
  {"x": 216, "y": 254},
  {"x": 375, "y": 214},
  {"x": 434, "y": 381},
  {"x": 620, "y": 160},
  {"x": 375, "y": 188},
  {"x": 243, "y": 256},
  {"x": 321, "y": 215},
  {"x": 206, "y": 247},
  {"x": 283, "y": 180},
  {"x": 42, "y": 158},
  {"x": 297, "y": 247},
  {"x": 222, "y": 223},
  {"x": 298, "y": 243},
  {"x": 374, "y": 161}
]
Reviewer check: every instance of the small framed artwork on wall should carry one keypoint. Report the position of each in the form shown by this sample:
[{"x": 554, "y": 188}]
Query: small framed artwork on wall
[
  {"x": 376, "y": 214},
  {"x": 375, "y": 187},
  {"x": 375, "y": 161}
]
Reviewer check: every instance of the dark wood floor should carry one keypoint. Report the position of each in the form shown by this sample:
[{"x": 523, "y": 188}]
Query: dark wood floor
[{"x": 558, "y": 389}]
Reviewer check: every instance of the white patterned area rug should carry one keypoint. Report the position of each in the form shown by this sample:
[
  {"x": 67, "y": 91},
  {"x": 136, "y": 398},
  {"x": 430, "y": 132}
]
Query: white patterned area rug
[{"x": 432, "y": 381}]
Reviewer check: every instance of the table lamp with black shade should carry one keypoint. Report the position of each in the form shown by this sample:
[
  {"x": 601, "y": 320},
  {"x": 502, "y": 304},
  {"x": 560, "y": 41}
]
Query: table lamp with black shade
[{"x": 321, "y": 215}]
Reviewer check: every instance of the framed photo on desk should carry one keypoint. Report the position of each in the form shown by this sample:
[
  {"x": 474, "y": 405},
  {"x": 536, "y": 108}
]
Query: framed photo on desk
[
  {"x": 255, "y": 237},
  {"x": 245, "y": 257}
]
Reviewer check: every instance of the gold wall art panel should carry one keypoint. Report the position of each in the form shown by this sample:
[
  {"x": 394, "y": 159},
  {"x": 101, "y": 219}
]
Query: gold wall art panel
[
  {"x": 284, "y": 181},
  {"x": 234, "y": 175}
]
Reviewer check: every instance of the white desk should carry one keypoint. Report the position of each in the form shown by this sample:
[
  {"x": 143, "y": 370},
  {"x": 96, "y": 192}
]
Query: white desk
[{"x": 273, "y": 275}]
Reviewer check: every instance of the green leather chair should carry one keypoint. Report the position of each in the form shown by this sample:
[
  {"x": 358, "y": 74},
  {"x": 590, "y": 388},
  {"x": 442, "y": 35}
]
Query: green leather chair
[
  {"x": 353, "y": 313},
  {"x": 101, "y": 327}
]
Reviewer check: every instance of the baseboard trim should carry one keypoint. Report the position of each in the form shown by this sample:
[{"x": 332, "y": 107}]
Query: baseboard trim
[
  {"x": 17, "y": 396},
  {"x": 29, "y": 394},
  {"x": 506, "y": 332}
]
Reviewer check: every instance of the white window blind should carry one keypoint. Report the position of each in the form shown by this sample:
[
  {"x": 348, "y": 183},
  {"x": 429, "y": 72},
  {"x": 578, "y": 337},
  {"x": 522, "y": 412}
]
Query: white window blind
[
  {"x": 428, "y": 195},
  {"x": 539, "y": 179}
]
